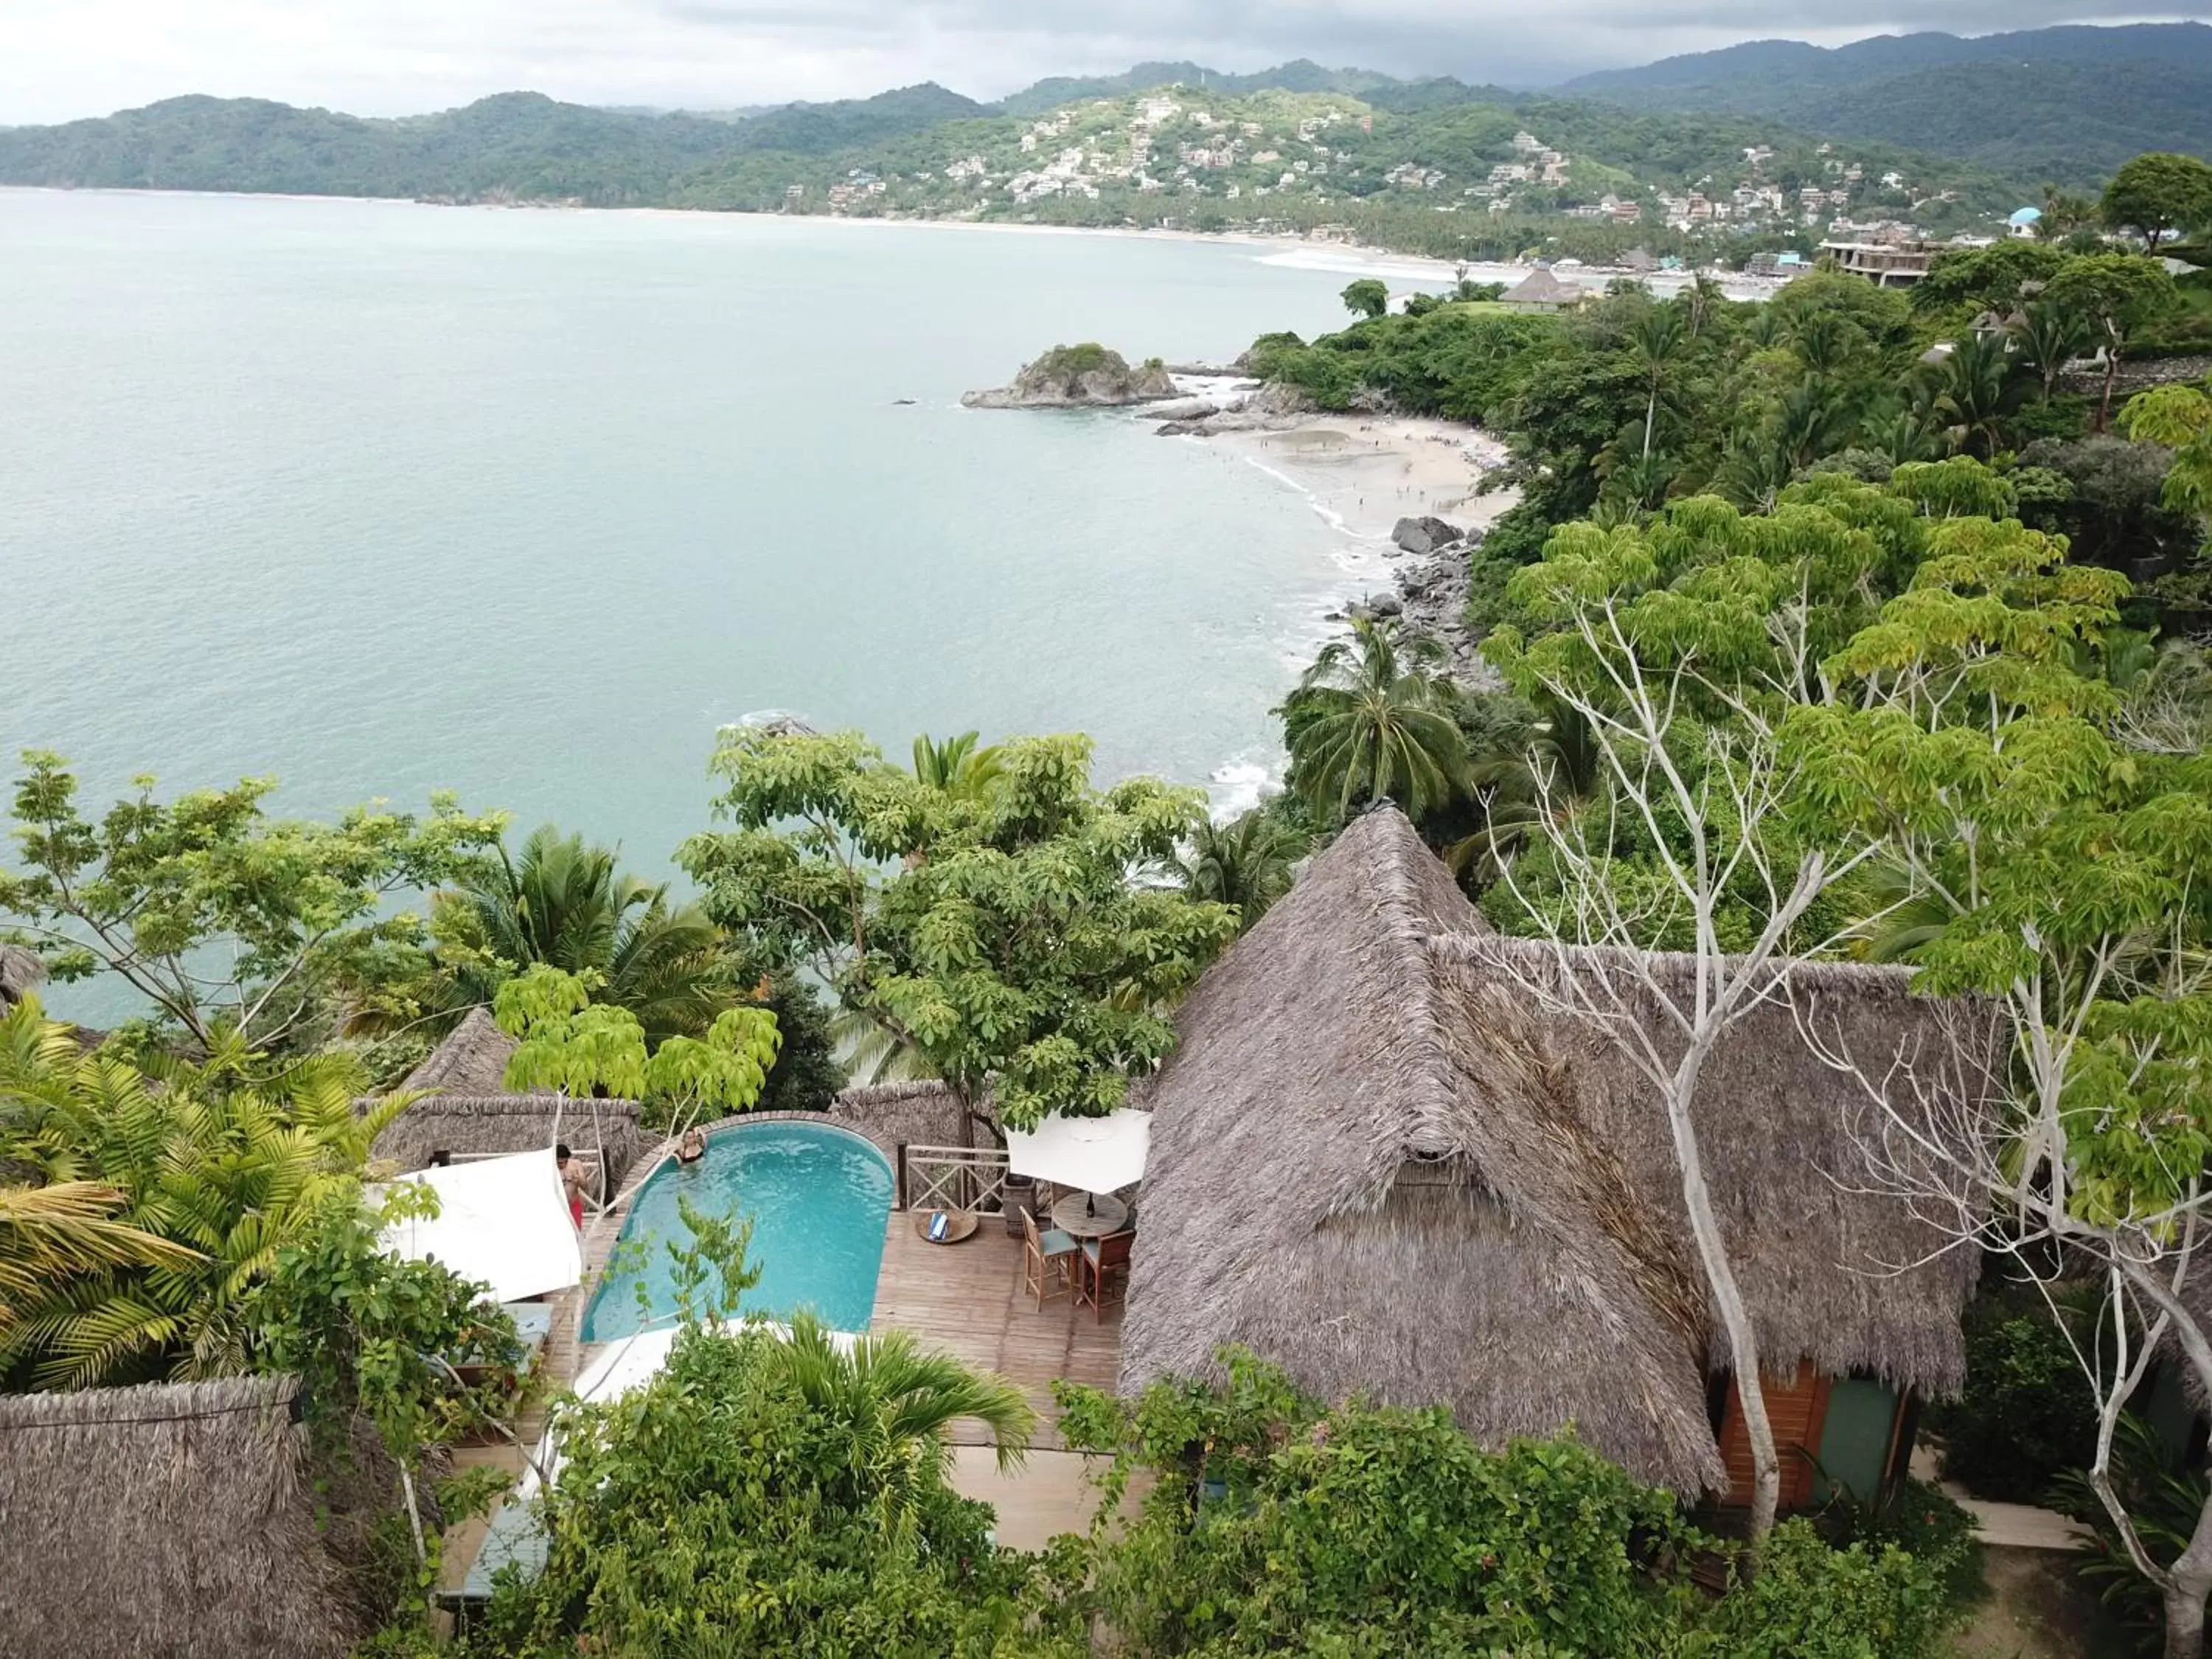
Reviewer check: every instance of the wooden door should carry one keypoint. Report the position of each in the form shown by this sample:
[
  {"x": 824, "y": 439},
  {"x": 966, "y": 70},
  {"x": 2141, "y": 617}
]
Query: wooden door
[{"x": 1797, "y": 1407}]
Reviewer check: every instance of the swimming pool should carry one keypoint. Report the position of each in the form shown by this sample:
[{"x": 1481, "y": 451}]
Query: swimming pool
[{"x": 818, "y": 1198}]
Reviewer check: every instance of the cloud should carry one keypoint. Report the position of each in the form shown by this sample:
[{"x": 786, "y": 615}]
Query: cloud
[{"x": 65, "y": 58}]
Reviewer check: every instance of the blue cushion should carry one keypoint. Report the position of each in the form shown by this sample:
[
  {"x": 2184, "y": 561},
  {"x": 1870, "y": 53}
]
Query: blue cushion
[{"x": 1056, "y": 1242}]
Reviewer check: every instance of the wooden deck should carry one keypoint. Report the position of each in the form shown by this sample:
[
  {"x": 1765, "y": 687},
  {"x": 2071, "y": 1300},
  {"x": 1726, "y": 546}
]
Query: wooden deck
[{"x": 967, "y": 1299}]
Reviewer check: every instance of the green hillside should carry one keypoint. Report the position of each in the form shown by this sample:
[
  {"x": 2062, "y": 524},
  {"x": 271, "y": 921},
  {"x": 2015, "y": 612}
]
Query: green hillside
[
  {"x": 1433, "y": 167},
  {"x": 2066, "y": 104}
]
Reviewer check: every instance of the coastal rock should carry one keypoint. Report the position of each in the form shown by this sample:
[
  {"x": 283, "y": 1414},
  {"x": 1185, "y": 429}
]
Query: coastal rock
[
  {"x": 1425, "y": 535},
  {"x": 1086, "y": 376},
  {"x": 1189, "y": 408}
]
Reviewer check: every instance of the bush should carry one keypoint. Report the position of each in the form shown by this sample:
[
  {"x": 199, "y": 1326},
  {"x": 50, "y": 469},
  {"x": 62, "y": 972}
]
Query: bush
[
  {"x": 1360, "y": 1530},
  {"x": 2026, "y": 1413},
  {"x": 1812, "y": 1601},
  {"x": 1922, "y": 1521}
]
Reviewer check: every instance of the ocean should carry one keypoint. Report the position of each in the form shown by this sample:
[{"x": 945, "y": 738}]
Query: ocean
[{"x": 382, "y": 498}]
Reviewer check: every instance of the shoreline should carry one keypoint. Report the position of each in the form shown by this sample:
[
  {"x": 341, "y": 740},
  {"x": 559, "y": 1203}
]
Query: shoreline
[
  {"x": 1286, "y": 249},
  {"x": 1363, "y": 475}
]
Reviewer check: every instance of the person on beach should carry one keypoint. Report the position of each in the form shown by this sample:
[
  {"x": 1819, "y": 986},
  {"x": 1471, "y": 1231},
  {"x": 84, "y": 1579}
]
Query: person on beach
[{"x": 573, "y": 1182}]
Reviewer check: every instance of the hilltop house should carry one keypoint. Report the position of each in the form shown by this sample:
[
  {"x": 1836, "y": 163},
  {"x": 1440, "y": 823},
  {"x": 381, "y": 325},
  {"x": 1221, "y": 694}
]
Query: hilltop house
[{"x": 1375, "y": 1161}]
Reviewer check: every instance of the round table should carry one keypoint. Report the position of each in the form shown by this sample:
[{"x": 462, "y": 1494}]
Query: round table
[{"x": 1086, "y": 1215}]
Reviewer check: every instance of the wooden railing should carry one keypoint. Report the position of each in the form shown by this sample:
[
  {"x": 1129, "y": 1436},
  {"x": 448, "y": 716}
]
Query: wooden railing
[{"x": 953, "y": 1177}]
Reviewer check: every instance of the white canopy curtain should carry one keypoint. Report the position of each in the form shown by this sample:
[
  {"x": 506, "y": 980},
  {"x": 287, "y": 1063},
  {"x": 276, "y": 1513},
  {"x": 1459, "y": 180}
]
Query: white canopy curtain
[
  {"x": 1094, "y": 1154},
  {"x": 501, "y": 1220}
]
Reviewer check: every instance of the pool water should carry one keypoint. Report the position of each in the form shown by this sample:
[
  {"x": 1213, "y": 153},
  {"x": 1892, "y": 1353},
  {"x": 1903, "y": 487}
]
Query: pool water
[{"x": 818, "y": 1198}]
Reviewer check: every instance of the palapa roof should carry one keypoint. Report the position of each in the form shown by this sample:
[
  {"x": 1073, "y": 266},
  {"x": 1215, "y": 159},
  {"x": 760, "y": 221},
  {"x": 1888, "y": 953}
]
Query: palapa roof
[
  {"x": 471, "y": 1111},
  {"x": 471, "y": 1061},
  {"x": 512, "y": 1123},
  {"x": 172, "y": 1521},
  {"x": 1376, "y": 1162},
  {"x": 22, "y": 972},
  {"x": 1540, "y": 287}
]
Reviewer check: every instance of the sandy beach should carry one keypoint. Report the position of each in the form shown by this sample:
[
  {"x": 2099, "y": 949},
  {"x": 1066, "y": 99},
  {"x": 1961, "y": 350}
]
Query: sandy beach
[{"x": 1365, "y": 473}]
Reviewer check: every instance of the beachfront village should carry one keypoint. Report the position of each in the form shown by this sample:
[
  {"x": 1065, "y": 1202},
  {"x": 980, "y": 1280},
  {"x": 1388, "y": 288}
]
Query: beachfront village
[
  {"x": 1269, "y": 163},
  {"x": 1679, "y": 1129}
]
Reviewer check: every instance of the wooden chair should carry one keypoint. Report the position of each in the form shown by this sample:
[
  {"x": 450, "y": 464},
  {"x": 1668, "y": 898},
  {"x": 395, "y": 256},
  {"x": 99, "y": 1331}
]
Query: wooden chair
[
  {"x": 1103, "y": 1271},
  {"x": 1047, "y": 1259}
]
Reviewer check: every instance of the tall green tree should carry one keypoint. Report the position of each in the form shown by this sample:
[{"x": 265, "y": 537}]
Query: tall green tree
[
  {"x": 2115, "y": 295},
  {"x": 1366, "y": 298},
  {"x": 1372, "y": 720},
  {"x": 2158, "y": 194},
  {"x": 224, "y": 920},
  {"x": 1245, "y": 864},
  {"x": 2055, "y": 870},
  {"x": 1004, "y": 936}
]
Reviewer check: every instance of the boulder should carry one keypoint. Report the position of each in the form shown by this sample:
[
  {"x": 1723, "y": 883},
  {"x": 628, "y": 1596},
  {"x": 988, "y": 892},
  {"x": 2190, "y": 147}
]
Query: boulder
[
  {"x": 1086, "y": 376},
  {"x": 1424, "y": 535}
]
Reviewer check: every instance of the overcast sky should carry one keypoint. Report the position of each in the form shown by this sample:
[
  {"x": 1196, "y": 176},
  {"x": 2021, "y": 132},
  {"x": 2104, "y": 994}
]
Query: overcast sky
[{"x": 60, "y": 59}]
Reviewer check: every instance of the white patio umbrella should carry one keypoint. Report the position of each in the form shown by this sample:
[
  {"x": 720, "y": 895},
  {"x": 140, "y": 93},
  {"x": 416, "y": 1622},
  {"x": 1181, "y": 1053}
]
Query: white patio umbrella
[
  {"x": 502, "y": 1220},
  {"x": 1094, "y": 1154}
]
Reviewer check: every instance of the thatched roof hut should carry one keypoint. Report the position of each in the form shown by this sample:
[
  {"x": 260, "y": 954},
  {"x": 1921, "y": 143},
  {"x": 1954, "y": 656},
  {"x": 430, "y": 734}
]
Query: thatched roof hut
[
  {"x": 175, "y": 1520},
  {"x": 472, "y": 1061},
  {"x": 1540, "y": 290},
  {"x": 514, "y": 1123},
  {"x": 1375, "y": 1161},
  {"x": 21, "y": 972},
  {"x": 471, "y": 1111}
]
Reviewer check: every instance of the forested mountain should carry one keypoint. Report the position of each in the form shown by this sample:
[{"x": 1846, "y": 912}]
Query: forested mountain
[
  {"x": 1432, "y": 166},
  {"x": 2066, "y": 104},
  {"x": 1300, "y": 75}
]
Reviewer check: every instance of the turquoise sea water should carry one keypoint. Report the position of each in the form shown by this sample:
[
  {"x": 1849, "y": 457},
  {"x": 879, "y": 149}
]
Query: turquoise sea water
[
  {"x": 817, "y": 1197},
  {"x": 382, "y": 498}
]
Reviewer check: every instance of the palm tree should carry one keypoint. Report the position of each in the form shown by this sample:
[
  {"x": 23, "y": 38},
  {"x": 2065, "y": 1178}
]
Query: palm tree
[
  {"x": 225, "y": 1167},
  {"x": 1369, "y": 722},
  {"x": 1814, "y": 418},
  {"x": 956, "y": 766},
  {"x": 1977, "y": 387},
  {"x": 1824, "y": 342},
  {"x": 1658, "y": 338},
  {"x": 1559, "y": 766},
  {"x": 1901, "y": 433},
  {"x": 868, "y": 1051},
  {"x": 1245, "y": 864},
  {"x": 896, "y": 1401},
  {"x": 563, "y": 902},
  {"x": 50, "y": 1236},
  {"x": 2050, "y": 338}
]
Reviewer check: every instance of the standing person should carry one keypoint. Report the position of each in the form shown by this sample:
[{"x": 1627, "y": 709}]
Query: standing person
[{"x": 573, "y": 1180}]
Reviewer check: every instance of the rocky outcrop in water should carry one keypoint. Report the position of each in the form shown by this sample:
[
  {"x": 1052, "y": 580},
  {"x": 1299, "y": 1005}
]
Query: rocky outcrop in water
[
  {"x": 1087, "y": 376},
  {"x": 1424, "y": 534}
]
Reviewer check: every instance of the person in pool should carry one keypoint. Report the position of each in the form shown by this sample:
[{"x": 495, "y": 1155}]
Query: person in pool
[{"x": 692, "y": 1147}]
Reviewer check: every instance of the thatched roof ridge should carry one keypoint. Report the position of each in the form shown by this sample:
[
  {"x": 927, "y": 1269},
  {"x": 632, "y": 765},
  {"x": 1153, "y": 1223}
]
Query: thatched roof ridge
[
  {"x": 22, "y": 971},
  {"x": 512, "y": 1123},
  {"x": 1375, "y": 1160},
  {"x": 1824, "y": 1269},
  {"x": 172, "y": 1520},
  {"x": 471, "y": 1061},
  {"x": 1540, "y": 287},
  {"x": 1313, "y": 1072},
  {"x": 859, "y": 1098}
]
